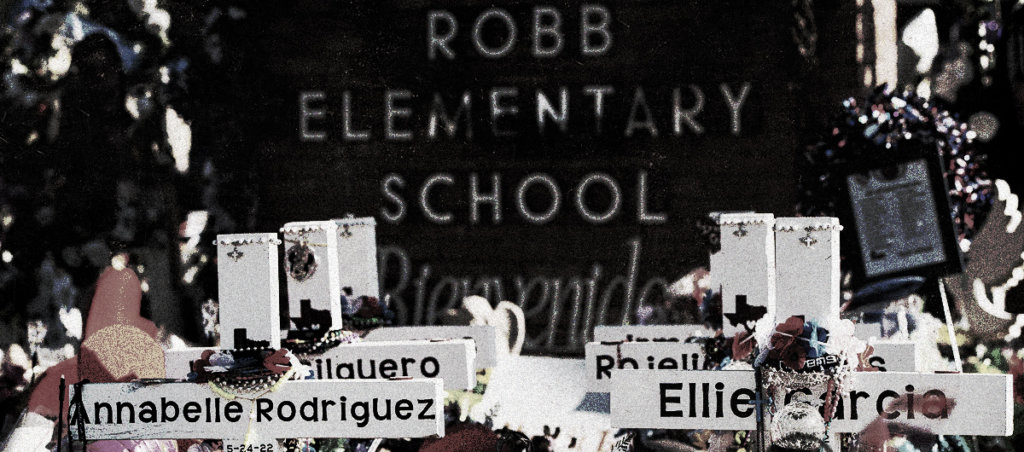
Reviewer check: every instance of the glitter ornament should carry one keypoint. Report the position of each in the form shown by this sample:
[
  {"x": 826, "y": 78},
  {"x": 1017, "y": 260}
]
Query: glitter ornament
[{"x": 798, "y": 425}]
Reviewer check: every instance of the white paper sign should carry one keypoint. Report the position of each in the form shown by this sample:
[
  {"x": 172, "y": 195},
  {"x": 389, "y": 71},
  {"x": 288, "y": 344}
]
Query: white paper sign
[
  {"x": 311, "y": 269},
  {"x": 299, "y": 409},
  {"x": 807, "y": 268},
  {"x": 451, "y": 360},
  {"x": 357, "y": 256},
  {"x": 483, "y": 335},
  {"x": 894, "y": 356},
  {"x": 746, "y": 269},
  {"x": 247, "y": 288},
  {"x": 867, "y": 331},
  {"x": 603, "y": 359},
  {"x": 653, "y": 333},
  {"x": 948, "y": 404}
]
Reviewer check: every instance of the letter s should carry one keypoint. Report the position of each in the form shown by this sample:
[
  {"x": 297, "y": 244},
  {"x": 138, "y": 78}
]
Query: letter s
[{"x": 385, "y": 186}]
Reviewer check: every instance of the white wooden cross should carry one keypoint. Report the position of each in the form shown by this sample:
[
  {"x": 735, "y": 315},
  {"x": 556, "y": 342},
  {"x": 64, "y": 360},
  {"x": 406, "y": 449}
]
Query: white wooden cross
[
  {"x": 362, "y": 404},
  {"x": 313, "y": 274},
  {"x": 800, "y": 276},
  {"x": 780, "y": 279},
  {"x": 352, "y": 243},
  {"x": 746, "y": 269},
  {"x": 357, "y": 256},
  {"x": 247, "y": 277},
  {"x": 248, "y": 289}
]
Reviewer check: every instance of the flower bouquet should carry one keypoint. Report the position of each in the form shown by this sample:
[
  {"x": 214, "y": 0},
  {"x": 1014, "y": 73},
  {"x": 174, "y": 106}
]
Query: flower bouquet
[{"x": 804, "y": 366}]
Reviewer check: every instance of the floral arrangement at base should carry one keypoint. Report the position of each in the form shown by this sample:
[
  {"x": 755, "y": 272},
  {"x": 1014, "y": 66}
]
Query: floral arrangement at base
[
  {"x": 803, "y": 354},
  {"x": 244, "y": 373}
]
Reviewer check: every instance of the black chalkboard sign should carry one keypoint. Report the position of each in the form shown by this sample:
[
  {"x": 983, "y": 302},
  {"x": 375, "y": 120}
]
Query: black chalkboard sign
[{"x": 554, "y": 154}]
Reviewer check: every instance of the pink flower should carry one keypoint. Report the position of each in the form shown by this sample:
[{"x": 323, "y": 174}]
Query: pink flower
[
  {"x": 1017, "y": 370},
  {"x": 277, "y": 362},
  {"x": 785, "y": 336},
  {"x": 794, "y": 356}
]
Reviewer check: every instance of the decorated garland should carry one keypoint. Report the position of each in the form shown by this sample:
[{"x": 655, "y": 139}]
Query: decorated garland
[
  {"x": 882, "y": 125},
  {"x": 303, "y": 348}
]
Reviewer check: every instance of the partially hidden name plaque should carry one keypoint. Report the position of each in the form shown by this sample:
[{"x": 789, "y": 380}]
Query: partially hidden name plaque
[
  {"x": 649, "y": 333},
  {"x": 895, "y": 356},
  {"x": 482, "y": 335},
  {"x": 451, "y": 360},
  {"x": 604, "y": 360}
]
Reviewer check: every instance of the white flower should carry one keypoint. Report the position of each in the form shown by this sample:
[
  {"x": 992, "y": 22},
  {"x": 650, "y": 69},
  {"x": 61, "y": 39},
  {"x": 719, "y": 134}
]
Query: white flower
[
  {"x": 71, "y": 318},
  {"x": 763, "y": 330},
  {"x": 842, "y": 341}
]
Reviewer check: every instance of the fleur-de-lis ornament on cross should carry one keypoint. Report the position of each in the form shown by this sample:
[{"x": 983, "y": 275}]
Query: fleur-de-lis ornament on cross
[
  {"x": 740, "y": 231},
  {"x": 807, "y": 240}
]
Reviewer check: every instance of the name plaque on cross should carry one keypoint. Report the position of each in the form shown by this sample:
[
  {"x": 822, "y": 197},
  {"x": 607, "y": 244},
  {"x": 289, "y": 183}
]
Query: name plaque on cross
[
  {"x": 944, "y": 404},
  {"x": 603, "y": 360},
  {"x": 357, "y": 256},
  {"x": 745, "y": 267},
  {"x": 482, "y": 335},
  {"x": 248, "y": 290},
  {"x": 807, "y": 268},
  {"x": 649, "y": 333},
  {"x": 311, "y": 268},
  {"x": 894, "y": 356},
  {"x": 450, "y": 360},
  {"x": 299, "y": 409}
]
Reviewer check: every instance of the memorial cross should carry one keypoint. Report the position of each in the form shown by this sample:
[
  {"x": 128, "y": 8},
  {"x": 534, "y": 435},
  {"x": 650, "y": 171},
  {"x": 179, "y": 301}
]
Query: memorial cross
[
  {"x": 313, "y": 274},
  {"x": 248, "y": 292},
  {"x": 357, "y": 256},
  {"x": 797, "y": 273},
  {"x": 745, "y": 269},
  {"x": 254, "y": 279}
]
